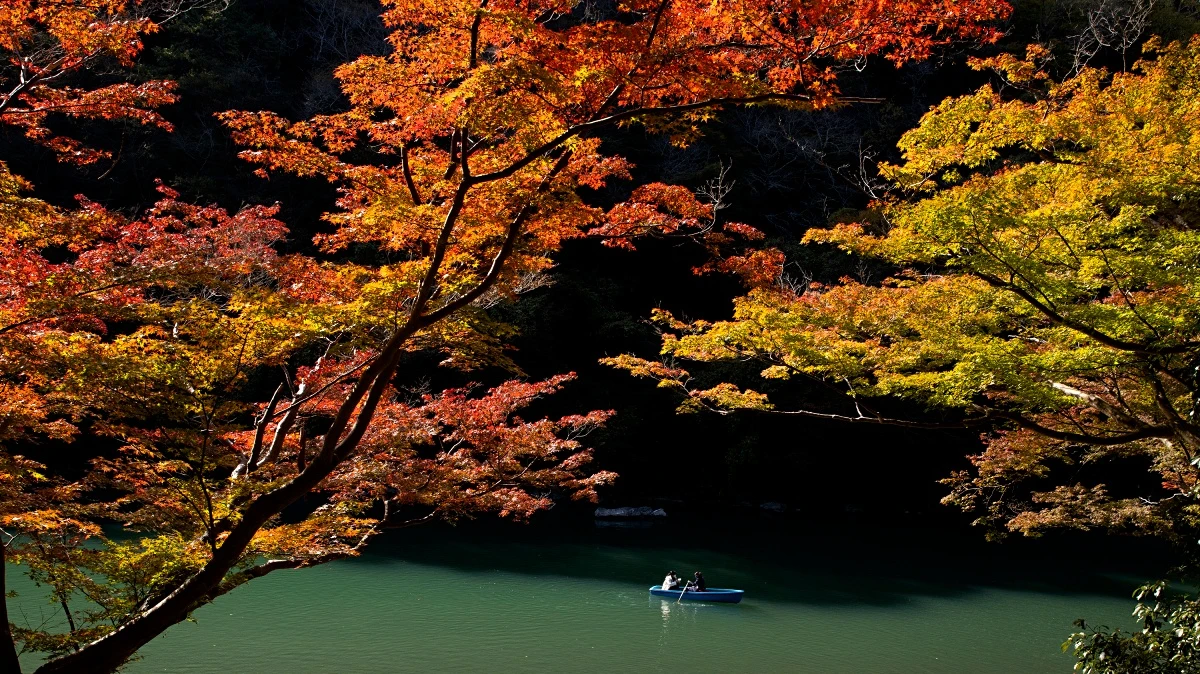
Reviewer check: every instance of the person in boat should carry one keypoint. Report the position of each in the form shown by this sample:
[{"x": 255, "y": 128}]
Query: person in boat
[
  {"x": 671, "y": 582},
  {"x": 698, "y": 582}
]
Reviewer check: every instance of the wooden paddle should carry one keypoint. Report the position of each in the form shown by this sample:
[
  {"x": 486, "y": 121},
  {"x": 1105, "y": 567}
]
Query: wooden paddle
[{"x": 685, "y": 587}]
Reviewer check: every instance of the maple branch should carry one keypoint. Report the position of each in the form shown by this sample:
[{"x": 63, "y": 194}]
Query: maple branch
[
  {"x": 404, "y": 524},
  {"x": 370, "y": 383},
  {"x": 114, "y": 648},
  {"x": 207, "y": 516},
  {"x": 1056, "y": 317},
  {"x": 78, "y": 295},
  {"x": 62, "y": 597},
  {"x": 425, "y": 292},
  {"x": 282, "y": 429},
  {"x": 681, "y": 384},
  {"x": 473, "y": 60},
  {"x": 271, "y": 565},
  {"x": 510, "y": 239},
  {"x": 368, "y": 391},
  {"x": 1129, "y": 301},
  {"x": 21, "y": 86},
  {"x": 1087, "y": 438},
  {"x": 303, "y": 442},
  {"x": 1172, "y": 377},
  {"x": 348, "y": 444},
  {"x": 612, "y": 96},
  {"x": 408, "y": 179},
  {"x": 453, "y": 155},
  {"x": 259, "y": 434},
  {"x": 334, "y": 382},
  {"x": 263, "y": 569},
  {"x": 29, "y": 77},
  {"x": 874, "y": 420},
  {"x": 573, "y": 131},
  {"x": 1101, "y": 404},
  {"x": 1162, "y": 400},
  {"x": 658, "y": 14}
]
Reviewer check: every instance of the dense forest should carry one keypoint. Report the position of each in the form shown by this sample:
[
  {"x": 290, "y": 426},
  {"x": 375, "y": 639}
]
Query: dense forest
[{"x": 280, "y": 275}]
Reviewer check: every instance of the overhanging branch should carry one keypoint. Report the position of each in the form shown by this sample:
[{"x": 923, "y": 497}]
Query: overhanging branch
[
  {"x": 1107, "y": 340},
  {"x": 1086, "y": 438},
  {"x": 614, "y": 118},
  {"x": 510, "y": 241}
]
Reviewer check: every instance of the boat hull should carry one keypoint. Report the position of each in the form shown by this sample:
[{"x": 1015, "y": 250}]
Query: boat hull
[{"x": 714, "y": 594}]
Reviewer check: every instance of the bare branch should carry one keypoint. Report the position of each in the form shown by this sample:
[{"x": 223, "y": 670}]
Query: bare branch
[
  {"x": 259, "y": 433},
  {"x": 282, "y": 429},
  {"x": 1101, "y": 404}
]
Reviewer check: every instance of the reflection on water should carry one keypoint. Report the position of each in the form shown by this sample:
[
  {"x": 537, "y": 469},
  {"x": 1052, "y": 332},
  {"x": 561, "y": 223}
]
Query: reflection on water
[
  {"x": 523, "y": 601},
  {"x": 677, "y": 611}
]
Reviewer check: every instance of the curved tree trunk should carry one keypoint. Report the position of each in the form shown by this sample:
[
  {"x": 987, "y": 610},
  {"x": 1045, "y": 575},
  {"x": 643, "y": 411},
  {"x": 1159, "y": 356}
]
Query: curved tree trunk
[
  {"x": 114, "y": 649},
  {"x": 8, "y": 649}
]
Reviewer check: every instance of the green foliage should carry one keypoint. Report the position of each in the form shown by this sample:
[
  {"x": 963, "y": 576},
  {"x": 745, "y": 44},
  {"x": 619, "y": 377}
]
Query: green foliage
[{"x": 1168, "y": 643}]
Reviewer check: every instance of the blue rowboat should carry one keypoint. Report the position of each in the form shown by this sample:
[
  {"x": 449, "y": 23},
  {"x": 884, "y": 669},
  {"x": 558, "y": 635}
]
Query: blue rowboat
[{"x": 721, "y": 594}]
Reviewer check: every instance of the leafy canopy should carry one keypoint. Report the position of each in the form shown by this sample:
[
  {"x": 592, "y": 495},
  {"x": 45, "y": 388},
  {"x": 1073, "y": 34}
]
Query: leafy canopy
[
  {"x": 48, "y": 43},
  {"x": 459, "y": 160},
  {"x": 1046, "y": 245}
]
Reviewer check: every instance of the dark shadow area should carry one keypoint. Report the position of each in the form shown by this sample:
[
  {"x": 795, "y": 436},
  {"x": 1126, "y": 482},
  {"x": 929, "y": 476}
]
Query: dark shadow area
[{"x": 783, "y": 561}]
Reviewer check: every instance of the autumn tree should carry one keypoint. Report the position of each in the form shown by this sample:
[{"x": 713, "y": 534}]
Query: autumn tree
[
  {"x": 459, "y": 161},
  {"x": 1043, "y": 240}
]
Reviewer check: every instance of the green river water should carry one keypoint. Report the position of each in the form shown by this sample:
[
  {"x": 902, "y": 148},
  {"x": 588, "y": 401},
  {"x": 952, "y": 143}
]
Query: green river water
[{"x": 536, "y": 599}]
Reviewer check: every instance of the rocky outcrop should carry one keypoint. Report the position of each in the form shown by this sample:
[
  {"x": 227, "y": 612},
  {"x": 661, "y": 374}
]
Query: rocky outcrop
[{"x": 642, "y": 511}]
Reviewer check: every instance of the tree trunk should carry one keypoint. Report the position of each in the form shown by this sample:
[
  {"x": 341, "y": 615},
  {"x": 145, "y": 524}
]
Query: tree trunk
[
  {"x": 8, "y": 649},
  {"x": 354, "y": 415},
  {"x": 111, "y": 651}
]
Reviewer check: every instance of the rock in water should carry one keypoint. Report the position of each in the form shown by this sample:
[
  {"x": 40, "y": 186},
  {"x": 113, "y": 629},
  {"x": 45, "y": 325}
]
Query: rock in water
[{"x": 641, "y": 511}]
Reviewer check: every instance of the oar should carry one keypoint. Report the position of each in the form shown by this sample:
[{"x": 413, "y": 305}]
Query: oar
[{"x": 685, "y": 587}]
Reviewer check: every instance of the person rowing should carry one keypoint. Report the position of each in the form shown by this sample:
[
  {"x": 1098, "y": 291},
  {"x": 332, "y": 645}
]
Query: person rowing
[{"x": 694, "y": 590}]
